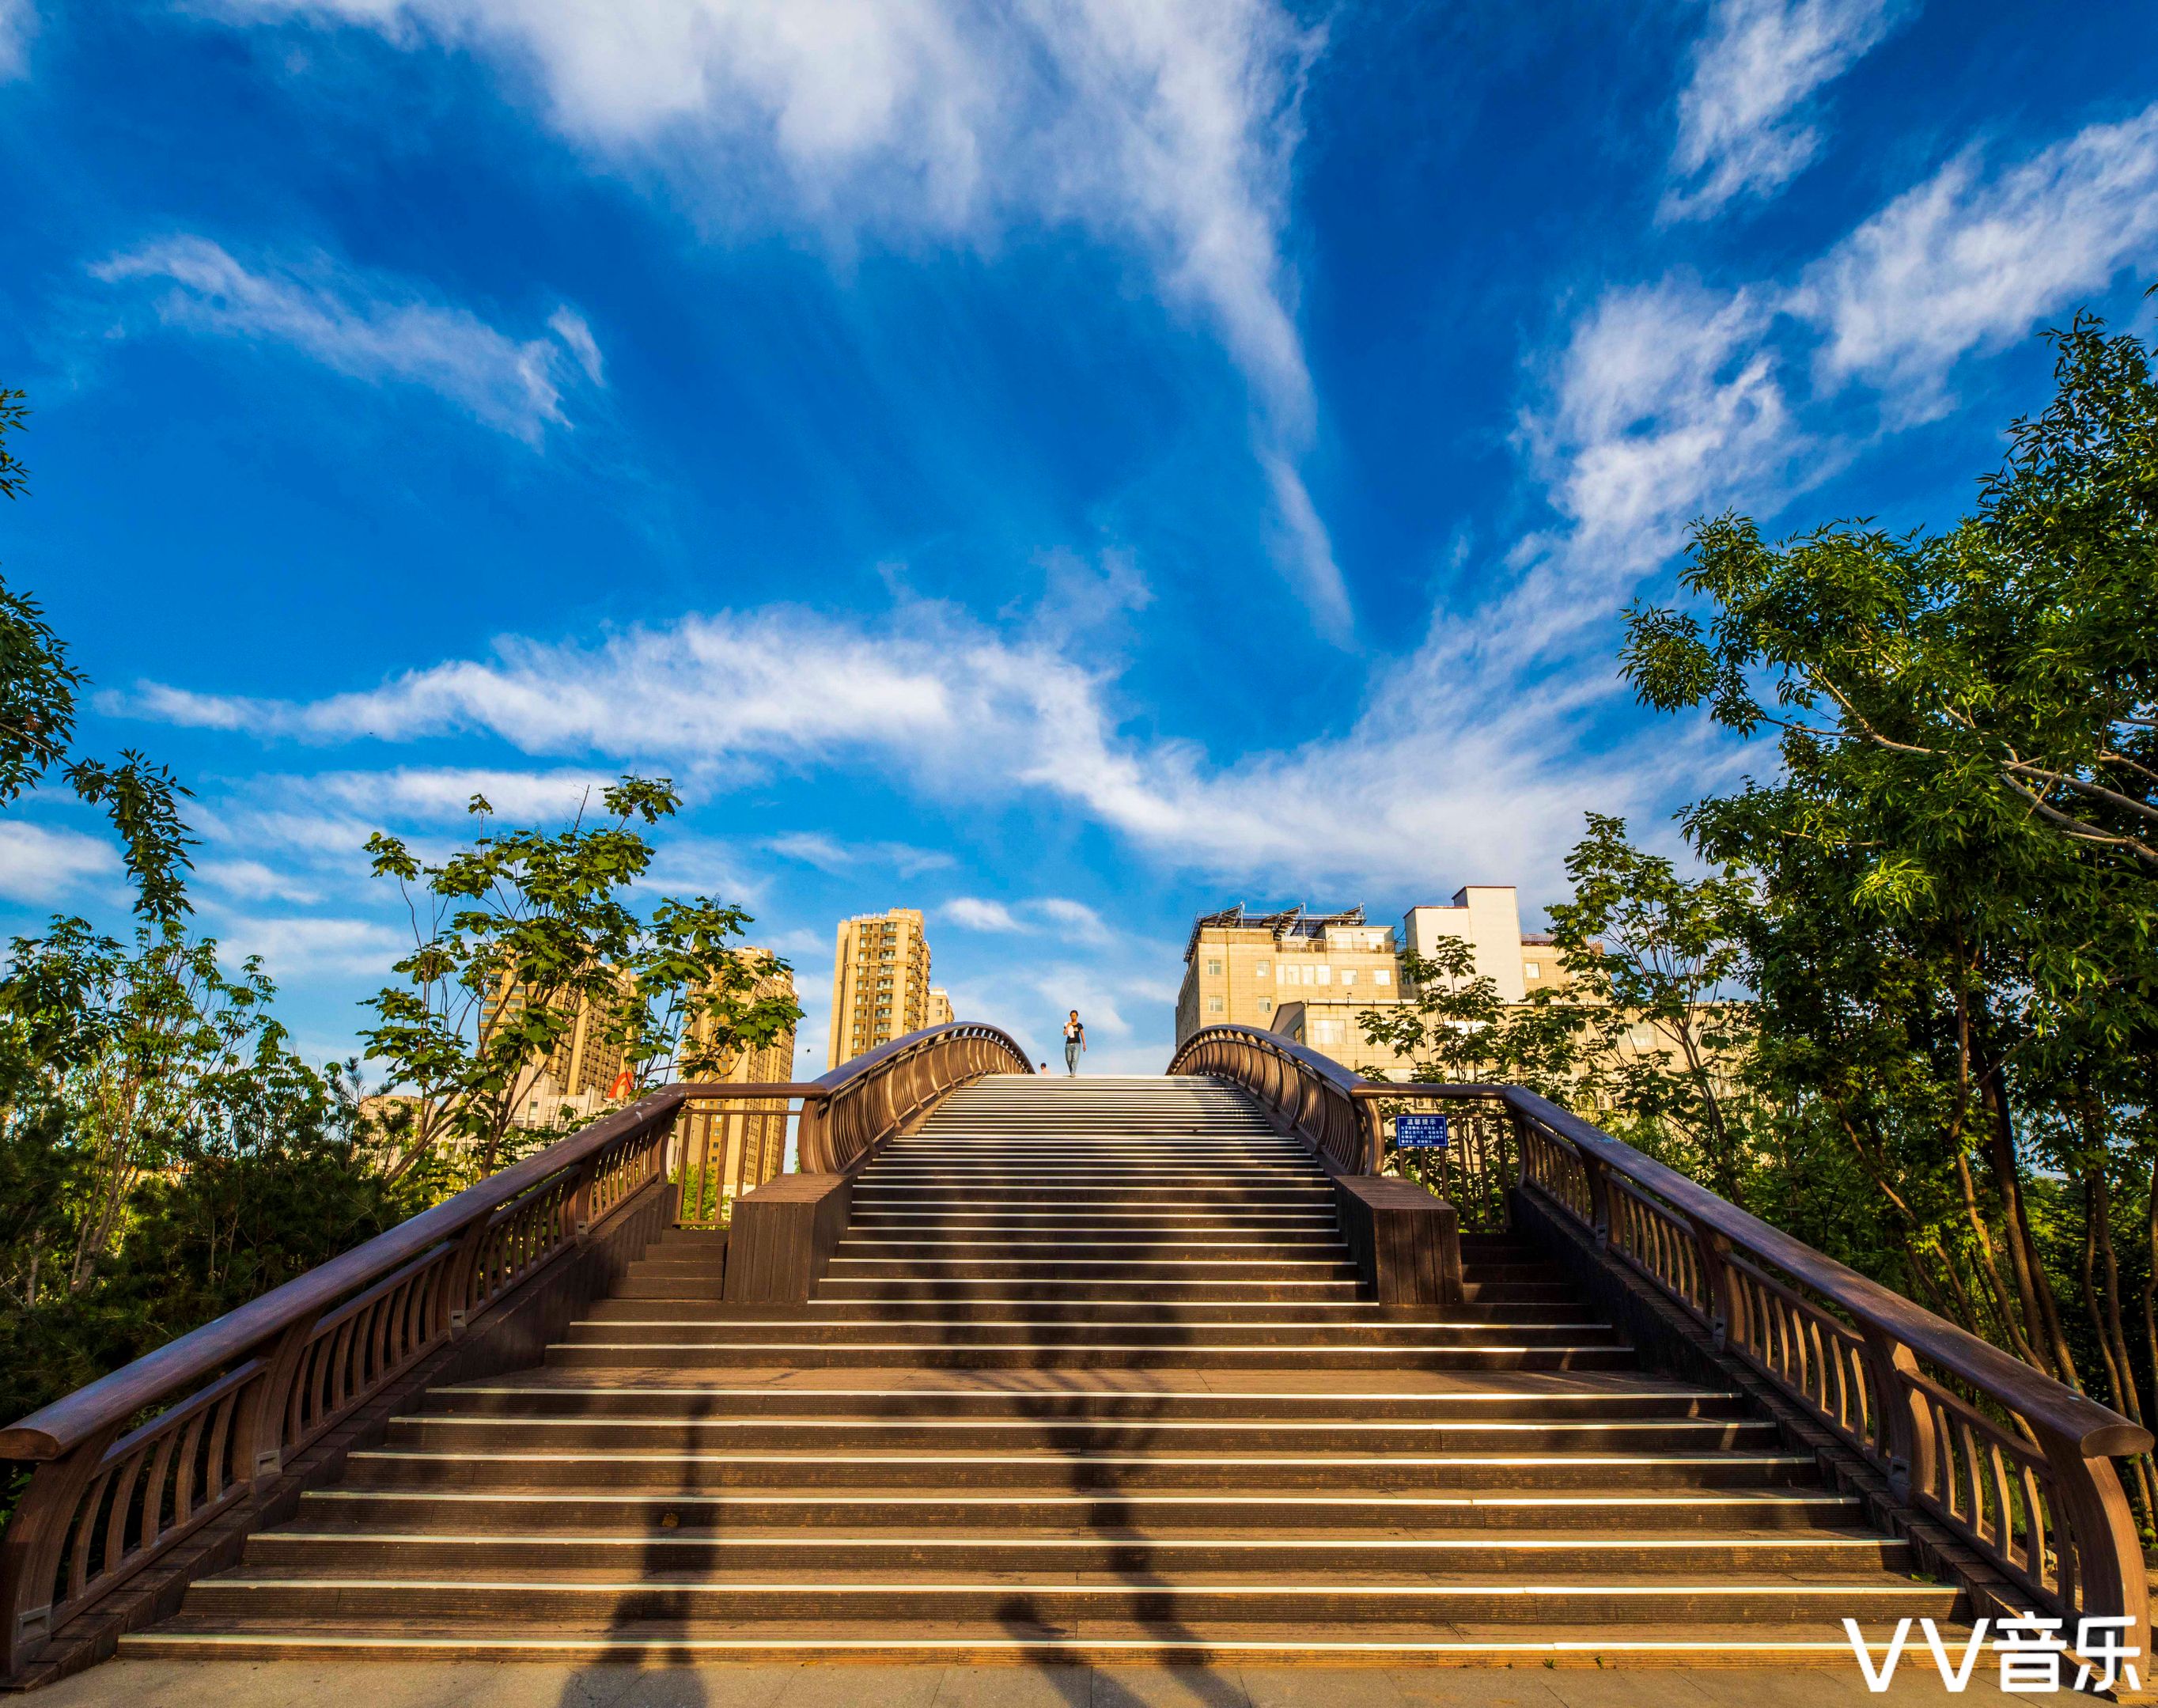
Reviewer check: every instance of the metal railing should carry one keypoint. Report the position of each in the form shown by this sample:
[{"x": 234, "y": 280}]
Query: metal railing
[
  {"x": 732, "y": 1138},
  {"x": 2036, "y": 1495},
  {"x": 130, "y": 1467}
]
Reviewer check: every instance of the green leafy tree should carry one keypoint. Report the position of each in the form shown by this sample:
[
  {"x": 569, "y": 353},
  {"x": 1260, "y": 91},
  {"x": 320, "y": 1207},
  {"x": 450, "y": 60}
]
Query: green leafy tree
[
  {"x": 1654, "y": 961},
  {"x": 1953, "y": 959},
  {"x": 146, "y": 1050},
  {"x": 517, "y": 935},
  {"x": 39, "y": 688},
  {"x": 1454, "y": 1027}
]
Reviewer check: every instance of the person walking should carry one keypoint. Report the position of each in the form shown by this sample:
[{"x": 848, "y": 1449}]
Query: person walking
[{"x": 1075, "y": 1043}]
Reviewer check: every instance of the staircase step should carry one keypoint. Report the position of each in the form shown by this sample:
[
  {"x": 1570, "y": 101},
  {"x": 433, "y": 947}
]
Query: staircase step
[
  {"x": 1092, "y": 1375},
  {"x": 1066, "y": 1469},
  {"x": 660, "y": 1511}
]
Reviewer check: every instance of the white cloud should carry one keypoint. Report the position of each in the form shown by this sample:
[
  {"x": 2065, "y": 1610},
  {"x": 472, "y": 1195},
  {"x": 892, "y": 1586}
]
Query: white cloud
[
  {"x": 814, "y": 848},
  {"x": 298, "y": 947},
  {"x": 1666, "y": 396},
  {"x": 1966, "y": 262},
  {"x": 1167, "y": 129},
  {"x": 18, "y": 22},
  {"x": 369, "y": 327},
  {"x": 444, "y": 793},
  {"x": 1741, "y": 128},
  {"x": 251, "y": 880},
  {"x": 796, "y": 683},
  {"x": 974, "y": 914},
  {"x": 1076, "y": 918},
  {"x": 963, "y": 710},
  {"x": 42, "y": 866}
]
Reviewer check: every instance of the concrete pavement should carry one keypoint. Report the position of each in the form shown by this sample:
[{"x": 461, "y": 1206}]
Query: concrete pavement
[{"x": 145, "y": 1683}]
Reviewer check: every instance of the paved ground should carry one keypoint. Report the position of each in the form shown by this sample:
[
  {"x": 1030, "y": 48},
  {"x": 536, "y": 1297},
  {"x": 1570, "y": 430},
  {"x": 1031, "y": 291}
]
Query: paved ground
[{"x": 143, "y": 1683}]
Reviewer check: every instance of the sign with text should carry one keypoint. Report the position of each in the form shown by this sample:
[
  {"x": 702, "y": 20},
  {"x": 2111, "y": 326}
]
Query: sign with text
[{"x": 1420, "y": 1132}]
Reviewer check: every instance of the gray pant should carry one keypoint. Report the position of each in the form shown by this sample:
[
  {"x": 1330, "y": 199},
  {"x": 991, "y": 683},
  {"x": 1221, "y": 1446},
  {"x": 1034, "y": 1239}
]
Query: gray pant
[{"x": 1071, "y": 1055}]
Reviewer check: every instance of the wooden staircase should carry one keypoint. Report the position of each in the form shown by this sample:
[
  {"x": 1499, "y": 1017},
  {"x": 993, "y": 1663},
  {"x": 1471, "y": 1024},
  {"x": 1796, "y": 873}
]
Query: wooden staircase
[{"x": 1091, "y": 1377}]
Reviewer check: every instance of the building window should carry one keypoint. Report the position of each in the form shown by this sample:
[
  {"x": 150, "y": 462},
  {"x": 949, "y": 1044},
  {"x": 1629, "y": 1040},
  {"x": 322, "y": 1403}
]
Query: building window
[
  {"x": 1382, "y": 977},
  {"x": 1265, "y": 1003},
  {"x": 1325, "y": 975},
  {"x": 1530, "y": 970},
  {"x": 1213, "y": 1005},
  {"x": 1259, "y": 969},
  {"x": 1213, "y": 969},
  {"x": 1644, "y": 1037},
  {"x": 1348, "y": 975}
]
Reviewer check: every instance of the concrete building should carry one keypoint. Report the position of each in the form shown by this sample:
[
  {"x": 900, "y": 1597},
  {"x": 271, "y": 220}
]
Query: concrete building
[
  {"x": 584, "y": 1073},
  {"x": 1241, "y": 969},
  {"x": 1312, "y": 977},
  {"x": 940, "y": 1008},
  {"x": 880, "y": 981},
  {"x": 733, "y": 1148},
  {"x": 1488, "y": 918},
  {"x": 577, "y": 1079}
]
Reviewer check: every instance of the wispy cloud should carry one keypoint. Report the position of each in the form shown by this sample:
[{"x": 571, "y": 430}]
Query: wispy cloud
[
  {"x": 961, "y": 709},
  {"x": 828, "y": 854},
  {"x": 1043, "y": 913},
  {"x": 1169, "y": 130},
  {"x": 974, "y": 913},
  {"x": 1742, "y": 126},
  {"x": 367, "y": 326},
  {"x": 1970, "y": 262},
  {"x": 298, "y": 947},
  {"x": 42, "y": 865},
  {"x": 252, "y": 880},
  {"x": 18, "y": 22}
]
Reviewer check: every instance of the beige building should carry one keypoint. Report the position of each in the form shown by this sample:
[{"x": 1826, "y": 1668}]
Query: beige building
[
  {"x": 577, "y": 1079},
  {"x": 1244, "y": 969},
  {"x": 880, "y": 981},
  {"x": 723, "y": 1151},
  {"x": 1312, "y": 977},
  {"x": 940, "y": 1008}
]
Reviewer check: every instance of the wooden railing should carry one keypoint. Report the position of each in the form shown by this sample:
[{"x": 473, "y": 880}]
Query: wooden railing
[
  {"x": 732, "y": 1138},
  {"x": 863, "y": 1102},
  {"x": 131, "y": 1466},
  {"x": 2017, "y": 1464}
]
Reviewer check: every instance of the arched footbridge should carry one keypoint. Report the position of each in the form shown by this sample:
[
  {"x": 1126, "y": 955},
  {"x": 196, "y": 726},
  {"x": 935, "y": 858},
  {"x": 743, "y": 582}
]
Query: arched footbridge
[{"x": 1013, "y": 1367}]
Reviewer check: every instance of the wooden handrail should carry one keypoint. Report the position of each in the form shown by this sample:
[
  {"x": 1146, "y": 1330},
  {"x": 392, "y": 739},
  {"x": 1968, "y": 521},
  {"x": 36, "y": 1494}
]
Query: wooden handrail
[
  {"x": 868, "y": 1099},
  {"x": 131, "y": 1465},
  {"x": 2031, "y": 1394},
  {"x": 2038, "y": 1497},
  {"x": 73, "y": 1419}
]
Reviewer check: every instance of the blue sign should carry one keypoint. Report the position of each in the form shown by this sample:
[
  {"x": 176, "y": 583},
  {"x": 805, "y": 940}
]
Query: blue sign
[{"x": 1420, "y": 1132}]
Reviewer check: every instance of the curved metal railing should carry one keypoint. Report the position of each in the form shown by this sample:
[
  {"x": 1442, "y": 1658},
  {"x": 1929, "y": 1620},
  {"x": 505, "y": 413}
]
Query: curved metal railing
[
  {"x": 1313, "y": 1094},
  {"x": 863, "y": 1102},
  {"x": 130, "y": 1466},
  {"x": 2043, "y": 1503}
]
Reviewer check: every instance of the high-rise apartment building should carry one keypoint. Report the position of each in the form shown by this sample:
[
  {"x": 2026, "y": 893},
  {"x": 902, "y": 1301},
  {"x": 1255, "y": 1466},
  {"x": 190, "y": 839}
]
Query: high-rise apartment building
[
  {"x": 728, "y": 1149},
  {"x": 880, "y": 981},
  {"x": 940, "y": 1008},
  {"x": 1312, "y": 977},
  {"x": 578, "y": 1077}
]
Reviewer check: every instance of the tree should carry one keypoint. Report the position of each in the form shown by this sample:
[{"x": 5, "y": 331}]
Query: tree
[
  {"x": 121, "y": 1062},
  {"x": 38, "y": 692},
  {"x": 1954, "y": 958},
  {"x": 1647, "y": 950},
  {"x": 1454, "y": 1027},
  {"x": 518, "y": 935}
]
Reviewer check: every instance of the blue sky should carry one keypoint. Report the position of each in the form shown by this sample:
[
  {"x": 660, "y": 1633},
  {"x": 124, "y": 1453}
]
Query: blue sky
[{"x": 1061, "y": 465}]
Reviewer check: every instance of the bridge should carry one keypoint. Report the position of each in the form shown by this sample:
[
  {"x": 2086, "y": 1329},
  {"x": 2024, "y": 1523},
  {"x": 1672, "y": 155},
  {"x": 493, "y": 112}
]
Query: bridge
[{"x": 1018, "y": 1368}]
